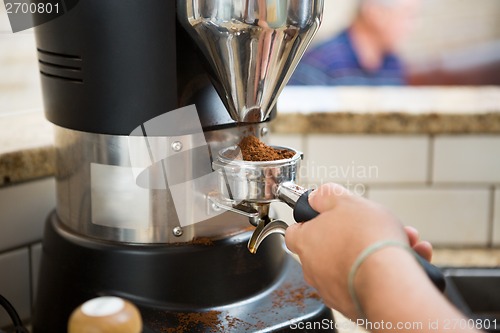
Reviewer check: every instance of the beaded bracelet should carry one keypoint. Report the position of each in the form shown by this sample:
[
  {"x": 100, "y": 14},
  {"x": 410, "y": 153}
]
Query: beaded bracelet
[{"x": 361, "y": 258}]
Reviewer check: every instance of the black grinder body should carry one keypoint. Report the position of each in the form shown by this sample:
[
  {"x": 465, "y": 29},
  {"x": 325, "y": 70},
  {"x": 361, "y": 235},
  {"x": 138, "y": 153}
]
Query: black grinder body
[
  {"x": 109, "y": 66},
  {"x": 106, "y": 67}
]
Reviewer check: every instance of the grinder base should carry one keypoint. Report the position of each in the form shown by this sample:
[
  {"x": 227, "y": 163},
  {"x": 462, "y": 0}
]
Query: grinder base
[
  {"x": 287, "y": 306},
  {"x": 178, "y": 288}
]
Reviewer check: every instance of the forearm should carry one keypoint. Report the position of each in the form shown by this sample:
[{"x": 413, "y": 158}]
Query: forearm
[{"x": 394, "y": 290}]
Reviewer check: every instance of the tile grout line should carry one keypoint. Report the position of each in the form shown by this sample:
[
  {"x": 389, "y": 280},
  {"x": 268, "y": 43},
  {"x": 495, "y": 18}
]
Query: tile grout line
[
  {"x": 433, "y": 186},
  {"x": 430, "y": 161},
  {"x": 19, "y": 247},
  {"x": 30, "y": 276},
  {"x": 491, "y": 216},
  {"x": 448, "y": 185},
  {"x": 303, "y": 141}
]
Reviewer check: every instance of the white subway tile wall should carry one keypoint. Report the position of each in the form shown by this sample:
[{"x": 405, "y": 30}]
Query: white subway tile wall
[
  {"x": 496, "y": 218},
  {"x": 15, "y": 283},
  {"x": 366, "y": 159},
  {"x": 443, "y": 185},
  {"x": 446, "y": 216},
  {"x": 467, "y": 159},
  {"x": 23, "y": 210}
]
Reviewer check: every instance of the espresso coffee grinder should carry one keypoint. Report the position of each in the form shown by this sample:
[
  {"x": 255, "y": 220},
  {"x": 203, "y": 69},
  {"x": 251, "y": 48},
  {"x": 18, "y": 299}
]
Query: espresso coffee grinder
[{"x": 120, "y": 82}]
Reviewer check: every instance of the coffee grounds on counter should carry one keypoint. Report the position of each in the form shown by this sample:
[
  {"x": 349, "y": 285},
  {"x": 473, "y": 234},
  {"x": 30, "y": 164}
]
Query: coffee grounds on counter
[
  {"x": 290, "y": 294},
  {"x": 197, "y": 322},
  {"x": 255, "y": 150}
]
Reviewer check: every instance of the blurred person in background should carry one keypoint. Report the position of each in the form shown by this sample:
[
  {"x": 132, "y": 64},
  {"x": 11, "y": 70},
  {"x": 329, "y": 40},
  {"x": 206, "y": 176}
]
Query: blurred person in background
[{"x": 364, "y": 53}]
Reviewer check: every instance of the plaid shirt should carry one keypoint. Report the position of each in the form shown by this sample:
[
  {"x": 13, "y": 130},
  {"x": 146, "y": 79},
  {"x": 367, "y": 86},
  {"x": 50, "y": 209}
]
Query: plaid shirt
[{"x": 336, "y": 63}]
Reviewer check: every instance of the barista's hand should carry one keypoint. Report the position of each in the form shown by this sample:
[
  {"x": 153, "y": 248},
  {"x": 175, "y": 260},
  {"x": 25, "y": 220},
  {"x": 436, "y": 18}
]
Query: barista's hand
[
  {"x": 390, "y": 284},
  {"x": 329, "y": 244},
  {"x": 423, "y": 248}
]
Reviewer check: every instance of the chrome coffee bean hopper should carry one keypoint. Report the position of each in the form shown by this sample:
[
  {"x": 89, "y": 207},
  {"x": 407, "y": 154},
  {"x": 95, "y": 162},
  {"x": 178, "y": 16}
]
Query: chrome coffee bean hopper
[{"x": 249, "y": 187}]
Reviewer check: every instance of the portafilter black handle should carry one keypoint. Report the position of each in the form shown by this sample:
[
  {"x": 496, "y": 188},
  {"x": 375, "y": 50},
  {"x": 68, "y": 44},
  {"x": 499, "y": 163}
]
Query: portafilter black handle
[
  {"x": 303, "y": 212},
  {"x": 298, "y": 198}
]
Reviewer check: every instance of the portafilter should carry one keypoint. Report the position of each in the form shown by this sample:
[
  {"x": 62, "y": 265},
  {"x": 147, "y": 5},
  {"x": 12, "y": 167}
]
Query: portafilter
[{"x": 249, "y": 187}]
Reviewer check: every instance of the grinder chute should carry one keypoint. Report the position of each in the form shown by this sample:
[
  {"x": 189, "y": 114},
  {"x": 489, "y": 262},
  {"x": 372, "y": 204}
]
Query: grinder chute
[{"x": 252, "y": 47}]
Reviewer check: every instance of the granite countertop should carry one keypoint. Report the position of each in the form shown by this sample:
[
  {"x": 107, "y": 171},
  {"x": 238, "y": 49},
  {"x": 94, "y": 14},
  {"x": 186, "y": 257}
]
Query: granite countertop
[{"x": 26, "y": 151}]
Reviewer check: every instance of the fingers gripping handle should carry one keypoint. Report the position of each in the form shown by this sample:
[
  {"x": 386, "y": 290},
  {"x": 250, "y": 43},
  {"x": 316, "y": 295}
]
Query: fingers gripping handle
[
  {"x": 297, "y": 198},
  {"x": 303, "y": 212}
]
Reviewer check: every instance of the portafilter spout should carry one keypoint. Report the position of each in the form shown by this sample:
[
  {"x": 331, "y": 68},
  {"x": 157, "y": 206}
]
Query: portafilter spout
[
  {"x": 252, "y": 47},
  {"x": 294, "y": 196}
]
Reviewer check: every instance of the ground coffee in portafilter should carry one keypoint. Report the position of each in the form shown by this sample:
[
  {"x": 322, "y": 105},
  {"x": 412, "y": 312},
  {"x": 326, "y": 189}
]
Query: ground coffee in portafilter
[{"x": 252, "y": 149}]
